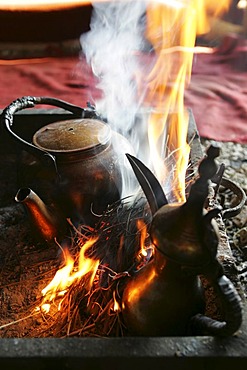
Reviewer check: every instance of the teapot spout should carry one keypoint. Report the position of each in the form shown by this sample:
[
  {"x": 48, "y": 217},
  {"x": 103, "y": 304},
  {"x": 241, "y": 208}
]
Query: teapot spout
[{"x": 47, "y": 224}]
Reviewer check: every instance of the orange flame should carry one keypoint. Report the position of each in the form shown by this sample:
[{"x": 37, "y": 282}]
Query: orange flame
[
  {"x": 142, "y": 227},
  {"x": 172, "y": 27},
  {"x": 68, "y": 274},
  {"x": 116, "y": 306}
]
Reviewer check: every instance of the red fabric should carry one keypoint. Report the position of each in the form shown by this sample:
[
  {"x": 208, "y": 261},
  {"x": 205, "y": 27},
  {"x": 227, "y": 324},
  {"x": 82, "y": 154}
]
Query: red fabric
[
  {"x": 217, "y": 93},
  {"x": 66, "y": 78}
]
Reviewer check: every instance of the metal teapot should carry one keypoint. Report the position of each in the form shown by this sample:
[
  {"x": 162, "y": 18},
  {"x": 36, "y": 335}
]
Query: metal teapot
[
  {"x": 78, "y": 170},
  {"x": 166, "y": 297}
]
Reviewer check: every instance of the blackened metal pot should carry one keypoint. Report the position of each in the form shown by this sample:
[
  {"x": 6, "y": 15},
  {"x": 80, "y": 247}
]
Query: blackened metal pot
[{"x": 75, "y": 167}]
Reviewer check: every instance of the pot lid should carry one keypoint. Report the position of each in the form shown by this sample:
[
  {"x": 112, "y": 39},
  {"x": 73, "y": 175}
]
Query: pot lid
[{"x": 72, "y": 135}]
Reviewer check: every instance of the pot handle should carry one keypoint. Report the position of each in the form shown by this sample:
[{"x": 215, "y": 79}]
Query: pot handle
[
  {"x": 241, "y": 197},
  {"x": 231, "y": 305},
  {"x": 219, "y": 180},
  {"x": 30, "y": 102}
]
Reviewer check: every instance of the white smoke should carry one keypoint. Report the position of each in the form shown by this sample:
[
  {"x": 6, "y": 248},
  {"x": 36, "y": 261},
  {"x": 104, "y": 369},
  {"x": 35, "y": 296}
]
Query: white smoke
[{"x": 111, "y": 48}]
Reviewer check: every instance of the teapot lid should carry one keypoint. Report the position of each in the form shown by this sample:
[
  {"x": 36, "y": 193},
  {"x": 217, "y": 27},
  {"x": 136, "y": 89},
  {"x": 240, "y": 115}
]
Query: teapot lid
[{"x": 72, "y": 135}]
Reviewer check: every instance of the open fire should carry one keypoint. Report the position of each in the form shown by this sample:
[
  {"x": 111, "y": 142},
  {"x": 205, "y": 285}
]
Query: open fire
[{"x": 87, "y": 295}]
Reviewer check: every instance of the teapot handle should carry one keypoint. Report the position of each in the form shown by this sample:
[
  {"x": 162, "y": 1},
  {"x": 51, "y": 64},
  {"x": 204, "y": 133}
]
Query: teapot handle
[
  {"x": 29, "y": 102},
  {"x": 231, "y": 305}
]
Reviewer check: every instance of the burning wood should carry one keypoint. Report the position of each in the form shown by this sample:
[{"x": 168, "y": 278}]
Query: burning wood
[{"x": 84, "y": 297}]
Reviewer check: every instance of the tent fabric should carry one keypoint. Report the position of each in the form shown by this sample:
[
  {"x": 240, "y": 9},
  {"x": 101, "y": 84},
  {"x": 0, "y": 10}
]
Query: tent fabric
[{"x": 217, "y": 93}]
